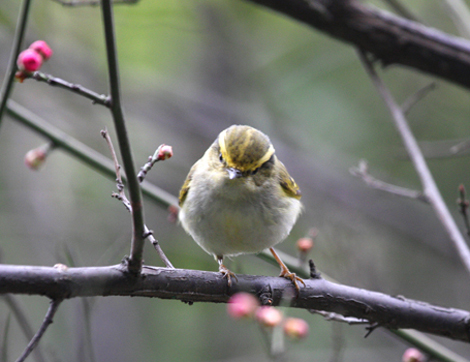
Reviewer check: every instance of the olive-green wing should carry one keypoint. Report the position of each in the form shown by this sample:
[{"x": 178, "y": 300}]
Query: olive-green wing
[
  {"x": 287, "y": 182},
  {"x": 186, "y": 185}
]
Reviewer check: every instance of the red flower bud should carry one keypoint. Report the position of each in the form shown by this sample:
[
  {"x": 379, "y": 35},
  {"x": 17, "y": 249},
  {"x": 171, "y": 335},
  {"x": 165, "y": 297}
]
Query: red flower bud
[
  {"x": 29, "y": 61},
  {"x": 164, "y": 152},
  {"x": 41, "y": 47}
]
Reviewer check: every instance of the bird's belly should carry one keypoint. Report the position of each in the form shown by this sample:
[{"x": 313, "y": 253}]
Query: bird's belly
[{"x": 226, "y": 226}]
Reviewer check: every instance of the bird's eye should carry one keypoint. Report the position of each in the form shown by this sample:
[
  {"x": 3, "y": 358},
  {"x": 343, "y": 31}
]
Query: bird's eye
[
  {"x": 255, "y": 171},
  {"x": 221, "y": 158}
]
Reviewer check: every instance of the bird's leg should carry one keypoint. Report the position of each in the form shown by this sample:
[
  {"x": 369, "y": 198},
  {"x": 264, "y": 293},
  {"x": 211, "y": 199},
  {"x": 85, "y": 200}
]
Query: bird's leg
[
  {"x": 285, "y": 271},
  {"x": 227, "y": 273}
]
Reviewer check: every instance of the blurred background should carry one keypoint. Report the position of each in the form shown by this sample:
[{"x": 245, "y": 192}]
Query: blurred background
[{"x": 189, "y": 69}]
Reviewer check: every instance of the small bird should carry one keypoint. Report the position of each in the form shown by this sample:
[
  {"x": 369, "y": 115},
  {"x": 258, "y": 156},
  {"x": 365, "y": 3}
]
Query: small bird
[{"x": 240, "y": 199}]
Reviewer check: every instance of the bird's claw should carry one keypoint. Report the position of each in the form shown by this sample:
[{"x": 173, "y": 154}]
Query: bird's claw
[
  {"x": 227, "y": 274},
  {"x": 285, "y": 273}
]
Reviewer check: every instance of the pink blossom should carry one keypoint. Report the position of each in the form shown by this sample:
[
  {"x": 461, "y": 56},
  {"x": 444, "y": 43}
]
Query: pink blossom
[
  {"x": 242, "y": 305},
  {"x": 41, "y": 47},
  {"x": 29, "y": 61}
]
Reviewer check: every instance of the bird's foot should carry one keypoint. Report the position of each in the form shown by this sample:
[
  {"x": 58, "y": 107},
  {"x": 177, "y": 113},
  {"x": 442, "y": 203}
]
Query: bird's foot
[
  {"x": 227, "y": 274},
  {"x": 285, "y": 273}
]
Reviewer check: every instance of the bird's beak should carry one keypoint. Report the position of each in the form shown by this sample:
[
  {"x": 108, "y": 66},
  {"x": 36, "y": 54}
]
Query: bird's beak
[{"x": 233, "y": 173}]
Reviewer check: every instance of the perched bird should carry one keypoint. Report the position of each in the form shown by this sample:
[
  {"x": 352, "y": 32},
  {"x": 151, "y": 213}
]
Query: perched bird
[{"x": 239, "y": 198}]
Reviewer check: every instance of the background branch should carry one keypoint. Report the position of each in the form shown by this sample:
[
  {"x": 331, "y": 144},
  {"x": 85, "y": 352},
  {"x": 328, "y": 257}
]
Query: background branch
[
  {"x": 430, "y": 189},
  {"x": 391, "y": 39},
  {"x": 82, "y": 152}
]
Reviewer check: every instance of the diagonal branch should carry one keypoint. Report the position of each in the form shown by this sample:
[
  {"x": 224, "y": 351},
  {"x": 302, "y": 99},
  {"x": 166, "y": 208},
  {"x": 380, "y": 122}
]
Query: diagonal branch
[
  {"x": 363, "y": 172},
  {"x": 81, "y": 151},
  {"x": 430, "y": 189},
  {"x": 15, "y": 307},
  {"x": 390, "y": 38},
  {"x": 46, "y": 322}
]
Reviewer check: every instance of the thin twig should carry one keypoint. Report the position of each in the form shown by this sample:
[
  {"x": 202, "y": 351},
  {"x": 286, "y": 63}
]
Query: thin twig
[
  {"x": 7, "y": 85},
  {"x": 148, "y": 234},
  {"x": 138, "y": 228},
  {"x": 162, "y": 153},
  {"x": 121, "y": 195},
  {"x": 76, "y": 3},
  {"x": 4, "y": 345},
  {"x": 416, "y": 97},
  {"x": 22, "y": 320},
  {"x": 460, "y": 147},
  {"x": 363, "y": 172},
  {"x": 463, "y": 207},
  {"x": 82, "y": 152},
  {"x": 331, "y": 316},
  {"x": 430, "y": 189},
  {"x": 75, "y": 88},
  {"x": 46, "y": 322}
]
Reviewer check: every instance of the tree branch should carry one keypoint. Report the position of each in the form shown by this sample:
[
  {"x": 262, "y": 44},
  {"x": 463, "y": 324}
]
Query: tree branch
[
  {"x": 430, "y": 189},
  {"x": 202, "y": 286},
  {"x": 37, "y": 337},
  {"x": 82, "y": 152},
  {"x": 75, "y": 88},
  {"x": 391, "y": 39},
  {"x": 7, "y": 85},
  {"x": 138, "y": 228}
]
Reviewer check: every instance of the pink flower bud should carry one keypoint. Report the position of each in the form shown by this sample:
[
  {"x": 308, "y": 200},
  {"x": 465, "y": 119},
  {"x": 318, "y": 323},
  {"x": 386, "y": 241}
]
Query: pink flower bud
[
  {"x": 29, "y": 61},
  {"x": 41, "y": 47},
  {"x": 242, "y": 305},
  {"x": 36, "y": 157},
  {"x": 296, "y": 328},
  {"x": 164, "y": 152},
  {"x": 305, "y": 244},
  {"x": 268, "y": 316},
  {"x": 413, "y": 355}
]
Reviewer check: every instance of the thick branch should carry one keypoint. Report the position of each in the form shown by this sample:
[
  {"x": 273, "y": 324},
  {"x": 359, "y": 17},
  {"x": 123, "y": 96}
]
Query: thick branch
[
  {"x": 391, "y": 39},
  {"x": 201, "y": 286}
]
